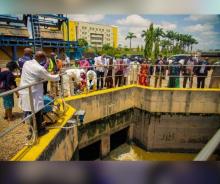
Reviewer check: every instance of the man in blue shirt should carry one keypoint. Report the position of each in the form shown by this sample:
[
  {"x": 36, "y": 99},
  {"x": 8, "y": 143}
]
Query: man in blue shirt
[{"x": 28, "y": 55}]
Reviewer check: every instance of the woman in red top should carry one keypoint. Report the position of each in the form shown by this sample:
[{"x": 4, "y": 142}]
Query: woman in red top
[{"x": 142, "y": 79}]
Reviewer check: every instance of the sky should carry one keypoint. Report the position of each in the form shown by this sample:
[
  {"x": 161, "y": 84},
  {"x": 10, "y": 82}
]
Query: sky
[{"x": 204, "y": 28}]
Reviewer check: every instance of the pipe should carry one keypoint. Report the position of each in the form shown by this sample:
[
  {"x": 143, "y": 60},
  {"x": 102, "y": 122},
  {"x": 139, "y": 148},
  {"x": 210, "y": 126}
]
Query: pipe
[{"x": 209, "y": 148}]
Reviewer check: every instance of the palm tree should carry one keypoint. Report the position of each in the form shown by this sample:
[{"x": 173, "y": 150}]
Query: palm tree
[
  {"x": 188, "y": 41},
  {"x": 158, "y": 32},
  {"x": 130, "y": 36},
  {"x": 148, "y": 36},
  {"x": 171, "y": 37},
  {"x": 183, "y": 41},
  {"x": 193, "y": 41},
  {"x": 165, "y": 44}
]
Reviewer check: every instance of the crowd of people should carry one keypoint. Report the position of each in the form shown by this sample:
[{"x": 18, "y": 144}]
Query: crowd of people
[
  {"x": 32, "y": 69},
  {"x": 107, "y": 72},
  {"x": 88, "y": 74}
]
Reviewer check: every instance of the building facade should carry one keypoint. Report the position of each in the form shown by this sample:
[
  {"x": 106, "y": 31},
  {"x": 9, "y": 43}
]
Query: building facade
[{"x": 95, "y": 34}]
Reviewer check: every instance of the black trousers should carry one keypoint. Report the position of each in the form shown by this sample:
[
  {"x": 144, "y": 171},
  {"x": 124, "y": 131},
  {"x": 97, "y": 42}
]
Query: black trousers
[
  {"x": 45, "y": 87},
  {"x": 201, "y": 81},
  {"x": 39, "y": 120},
  {"x": 109, "y": 81},
  {"x": 100, "y": 79},
  {"x": 118, "y": 78}
]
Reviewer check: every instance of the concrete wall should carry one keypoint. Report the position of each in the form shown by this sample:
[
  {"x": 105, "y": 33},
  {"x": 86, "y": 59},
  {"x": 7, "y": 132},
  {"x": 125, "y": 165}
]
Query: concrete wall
[
  {"x": 177, "y": 101},
  {"x": 186, "y": 101},
  {"x": 163, "y": 120},
  {"x": 176, "y": 132},
  {"x": 102, "y": 105},
  {"x": 62, "y": 147}
]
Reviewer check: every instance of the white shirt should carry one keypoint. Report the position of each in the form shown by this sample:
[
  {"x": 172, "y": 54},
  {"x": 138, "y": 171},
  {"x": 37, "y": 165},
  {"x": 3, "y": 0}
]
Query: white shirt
[
  {"x": 33, "y": 72},
  {"x": 99, "y": 64},
  {"x": 67, "y": 60},
  {"x": 91, "y": 75},
  {"x": 126, "y": 67},
  {"x": 75, "y": 73},
  {"x": 134, "y": 65}
]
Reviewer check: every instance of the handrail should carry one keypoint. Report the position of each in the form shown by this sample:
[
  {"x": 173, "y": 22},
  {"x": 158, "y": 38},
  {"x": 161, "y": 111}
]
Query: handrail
[
  {"x": 29, "y": 86},
  {"x": 21, "y": 88},
  {"x": 33, "y": 112},
  {"x": 209, "y": 148},
  {"x": 24, "y": 87}
]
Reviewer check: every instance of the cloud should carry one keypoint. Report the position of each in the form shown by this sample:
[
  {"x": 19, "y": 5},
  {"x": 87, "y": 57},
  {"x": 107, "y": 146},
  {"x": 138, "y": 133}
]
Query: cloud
[
  {"x": 199, "y": 28},
  {"x": 136, "y": 24},
  {"x": 202, "y": 18},
  {"x": 210, "y": 33},
  {"x": 167, "y": 26},
  {"x": 134, "y": 20},
  {"x": 87, "y": 18}
]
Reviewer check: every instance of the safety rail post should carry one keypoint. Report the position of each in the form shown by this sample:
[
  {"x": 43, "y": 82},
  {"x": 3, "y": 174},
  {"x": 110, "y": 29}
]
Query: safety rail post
[
  {"x": 113, "y": 75},
  {"x": 61, "y": 86},
  {"x": 34, "y": 115},
  {"x": 132, "y": 69},
  {"x": 137, "y": 74}
]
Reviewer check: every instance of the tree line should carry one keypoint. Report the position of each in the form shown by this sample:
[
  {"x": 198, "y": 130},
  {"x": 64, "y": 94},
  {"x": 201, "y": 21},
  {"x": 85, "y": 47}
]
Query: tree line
[{"x": 157, "y": 41}]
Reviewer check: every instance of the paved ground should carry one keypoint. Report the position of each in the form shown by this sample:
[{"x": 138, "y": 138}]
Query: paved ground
[{"x": 11, "y": 143}]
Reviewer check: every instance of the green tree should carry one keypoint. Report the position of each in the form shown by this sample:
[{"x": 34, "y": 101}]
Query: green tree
[
  {"x": 165, "y": 45},
  {"x": 158, "y": 33},
  {"x": 82, "y": 42},
  {"x": 108, "y": 49},
  {"x": 106, "y": 46},
  {"x": 148, "y": 36},
  {"x": 193, "y": 41},
  {"x": 130, "y": 36},
  {"x": 170, "y": 35}
]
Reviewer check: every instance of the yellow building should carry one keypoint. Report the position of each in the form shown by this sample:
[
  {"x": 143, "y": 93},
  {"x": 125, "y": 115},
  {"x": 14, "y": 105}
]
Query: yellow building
[{"x": 95, "y": 34}]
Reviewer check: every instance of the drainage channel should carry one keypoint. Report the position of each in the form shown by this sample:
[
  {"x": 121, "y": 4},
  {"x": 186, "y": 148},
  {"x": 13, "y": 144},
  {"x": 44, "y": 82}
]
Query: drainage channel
[
  {"x": 161, "y": 136},
  {"x": 93, "y": 151}
]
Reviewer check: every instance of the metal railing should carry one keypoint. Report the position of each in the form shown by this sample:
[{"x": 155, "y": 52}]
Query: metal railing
[
  {"x": 209, "y": 148},
  {"x": 160, "y": 78},
  {"x": 33, "y": 111},
  {"x": 130, "y": 71}
]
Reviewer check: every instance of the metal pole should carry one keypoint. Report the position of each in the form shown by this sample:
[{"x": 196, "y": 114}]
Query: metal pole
[
  {"x": 34, "y": 115},
  {"x": 113, "y": 74},
  {"x": 133, "y": 72},
  {"x": 209, "y": 148},
  {"x": 14, "y": 53},
  {"x": 61, "y": 86},
  {"x": 137, "y": 74}
]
